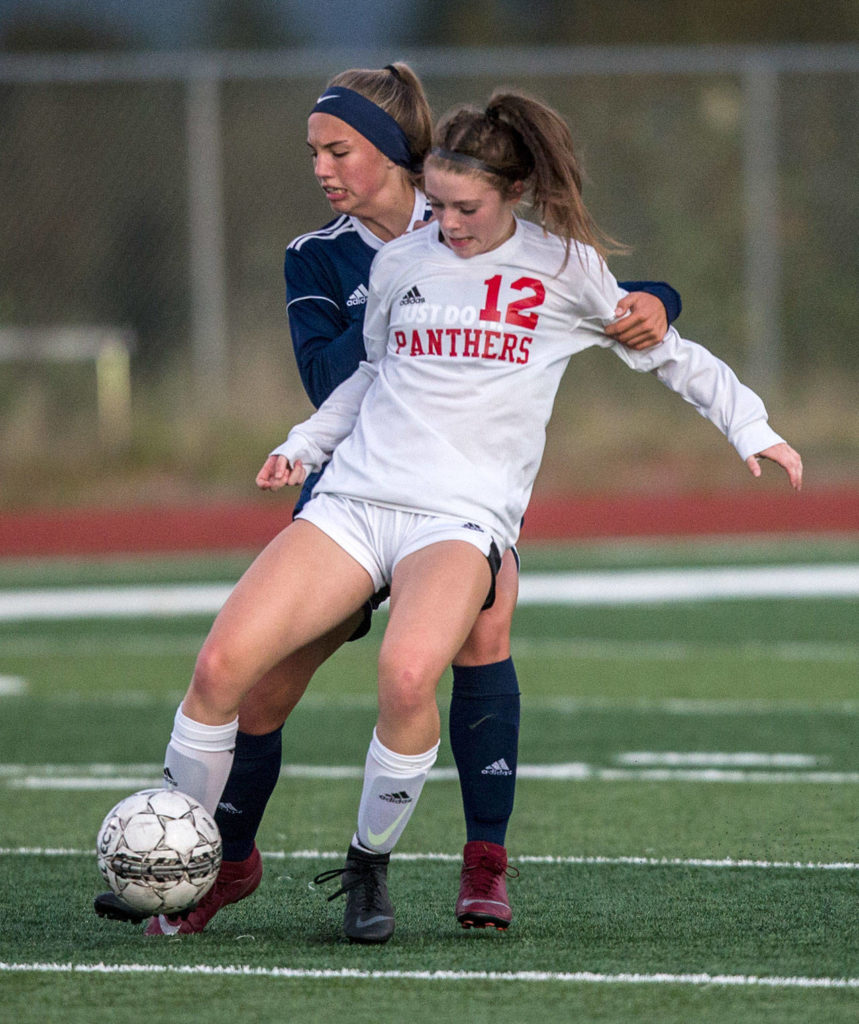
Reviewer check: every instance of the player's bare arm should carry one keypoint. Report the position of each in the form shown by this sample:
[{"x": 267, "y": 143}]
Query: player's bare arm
[
  {"x": 784, "y": 456},
  {"x": 277, "y": 472},
  {"x": 643, "y": 321}
]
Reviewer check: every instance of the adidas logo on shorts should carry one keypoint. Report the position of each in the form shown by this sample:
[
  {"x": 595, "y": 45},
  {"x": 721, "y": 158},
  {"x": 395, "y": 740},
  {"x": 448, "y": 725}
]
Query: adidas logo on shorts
[{"x": 358, "y": 297}]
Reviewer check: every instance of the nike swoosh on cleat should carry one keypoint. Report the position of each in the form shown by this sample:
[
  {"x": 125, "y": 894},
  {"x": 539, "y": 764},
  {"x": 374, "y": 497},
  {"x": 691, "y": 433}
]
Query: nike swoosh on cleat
[
  {"x": 166, "y": 927},
  {"x": 498, "y": 903},
  {"x": 382, "y": 837},
  {"x": 361, "y": 923}
]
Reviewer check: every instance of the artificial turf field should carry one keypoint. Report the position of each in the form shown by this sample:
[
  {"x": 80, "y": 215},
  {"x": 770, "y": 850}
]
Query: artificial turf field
[{"x": 685, "y": 828}]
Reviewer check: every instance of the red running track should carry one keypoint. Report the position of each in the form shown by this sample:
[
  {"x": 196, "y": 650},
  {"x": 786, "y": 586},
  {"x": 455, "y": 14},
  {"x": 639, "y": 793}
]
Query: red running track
[{"x": 250, "y": 525}]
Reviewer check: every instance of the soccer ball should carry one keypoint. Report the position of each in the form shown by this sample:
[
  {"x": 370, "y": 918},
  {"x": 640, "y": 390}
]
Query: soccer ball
[{"x": 159, "y": 850}]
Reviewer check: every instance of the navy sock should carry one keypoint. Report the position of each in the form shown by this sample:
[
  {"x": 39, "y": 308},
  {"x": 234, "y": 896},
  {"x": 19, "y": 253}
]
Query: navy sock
[
  {"x": 256, "y": 767},
  {"x": 484, "y": 738}
]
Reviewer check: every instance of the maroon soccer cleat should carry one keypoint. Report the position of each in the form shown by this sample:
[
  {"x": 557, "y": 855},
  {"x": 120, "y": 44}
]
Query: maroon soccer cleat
[
  {"x": 483, "y": 901},
  {"x": 236, "y": 880}
]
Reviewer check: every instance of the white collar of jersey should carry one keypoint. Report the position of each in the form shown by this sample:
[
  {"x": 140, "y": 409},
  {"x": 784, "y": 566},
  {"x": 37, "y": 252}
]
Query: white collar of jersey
[
  {"x": 419, "y": 213},
  {"x": 422, "y": 210}
]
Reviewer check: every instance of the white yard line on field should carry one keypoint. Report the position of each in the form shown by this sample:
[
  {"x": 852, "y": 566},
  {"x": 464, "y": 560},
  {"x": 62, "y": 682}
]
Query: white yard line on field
[
  {"x": 716, "y": 759},
  {"x": 133, "y": 777},
  {"x": 12, "y": 686},
  {"x": 550, "y": 860},
  {"x": 642, "y": 586},
  {"x": 656, "y": 586},
  {"x": 351, "y": 973}
]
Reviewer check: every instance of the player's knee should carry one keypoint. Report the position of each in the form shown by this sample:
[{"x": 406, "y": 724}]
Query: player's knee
[
  {"x": 213, "y": 681},
  {"x": 489, "y": 639},
  {"x": 406, "y": 686}
]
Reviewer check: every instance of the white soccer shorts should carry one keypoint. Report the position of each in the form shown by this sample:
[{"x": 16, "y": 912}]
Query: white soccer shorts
[{"x": 378, "y": 537}]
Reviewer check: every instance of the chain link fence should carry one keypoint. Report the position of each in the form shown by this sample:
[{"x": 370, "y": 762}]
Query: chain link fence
[{"x": 156, "y": 193}]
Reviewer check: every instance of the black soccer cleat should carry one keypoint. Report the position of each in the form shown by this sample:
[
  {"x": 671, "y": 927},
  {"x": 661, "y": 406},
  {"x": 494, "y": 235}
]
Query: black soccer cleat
[
  {"x": 369, "y": 914},
  {"x": 114, "y": 908},
  {"x": 109, "y": 905}
]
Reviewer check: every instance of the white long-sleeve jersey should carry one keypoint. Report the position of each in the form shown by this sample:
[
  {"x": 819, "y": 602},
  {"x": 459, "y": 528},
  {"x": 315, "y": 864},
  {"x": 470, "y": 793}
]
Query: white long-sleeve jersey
[{"x": 448, "y": 413}]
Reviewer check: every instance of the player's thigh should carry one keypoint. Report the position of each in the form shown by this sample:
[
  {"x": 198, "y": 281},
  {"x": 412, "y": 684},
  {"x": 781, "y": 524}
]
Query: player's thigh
[
  {"x": 436, "y": 594},
  {"x": 298, "y": 588},
  {"x": 489, "y": 639},
  {"x": 271, "y": 700}
]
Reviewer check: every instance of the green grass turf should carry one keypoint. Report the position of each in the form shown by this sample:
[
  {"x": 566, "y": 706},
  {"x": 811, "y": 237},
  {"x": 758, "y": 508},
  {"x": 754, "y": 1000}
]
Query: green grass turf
[
  {"x": 189, "y": 1000},
  {"x": 764, "y": 676}
]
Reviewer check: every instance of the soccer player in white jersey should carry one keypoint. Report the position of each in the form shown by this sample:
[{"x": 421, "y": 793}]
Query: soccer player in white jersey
[
  {"x": 435, "y": 441},
  {"x": 368, "y": 135}
]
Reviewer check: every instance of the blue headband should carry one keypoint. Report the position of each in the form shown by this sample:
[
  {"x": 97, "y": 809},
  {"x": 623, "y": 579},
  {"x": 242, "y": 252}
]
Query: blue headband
[{"x": 370, "y": 120}]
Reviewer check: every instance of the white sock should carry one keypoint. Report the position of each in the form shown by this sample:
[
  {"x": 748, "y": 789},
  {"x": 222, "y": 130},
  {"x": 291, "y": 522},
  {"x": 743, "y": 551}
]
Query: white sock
[
  {"x": 199, "y": 758},
  {"x": 392, "y": 785}
]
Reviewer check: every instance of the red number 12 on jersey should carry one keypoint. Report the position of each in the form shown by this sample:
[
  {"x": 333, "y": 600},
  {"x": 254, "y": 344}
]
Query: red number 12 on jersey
[{"x": 514, "y": 313}]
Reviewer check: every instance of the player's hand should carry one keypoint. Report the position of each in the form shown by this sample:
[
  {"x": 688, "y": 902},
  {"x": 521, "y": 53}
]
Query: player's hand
[
  {"x": 644, "y": 321},
  {"x": 785, "y": 456},
  {"x": 277, "y": 472}
]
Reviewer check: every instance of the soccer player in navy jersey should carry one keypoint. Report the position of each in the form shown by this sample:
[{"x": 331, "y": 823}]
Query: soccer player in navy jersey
[{"x": 368, "y": 135}]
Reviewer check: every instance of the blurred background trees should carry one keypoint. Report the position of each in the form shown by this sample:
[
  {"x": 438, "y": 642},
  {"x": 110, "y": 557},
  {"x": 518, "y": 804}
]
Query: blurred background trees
[{"x": 95, "y": 214}]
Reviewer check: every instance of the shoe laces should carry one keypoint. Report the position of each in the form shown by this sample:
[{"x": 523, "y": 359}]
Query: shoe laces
[
  {"x": 484, "y": 873},
  {"x": 366, "y": 878}
]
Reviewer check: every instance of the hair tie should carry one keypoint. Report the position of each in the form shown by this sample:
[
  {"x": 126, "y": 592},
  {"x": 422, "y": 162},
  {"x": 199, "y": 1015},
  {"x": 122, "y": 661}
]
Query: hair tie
[
  {"x": 394, "y": 72},
  {"x": 493, "y": 114}
]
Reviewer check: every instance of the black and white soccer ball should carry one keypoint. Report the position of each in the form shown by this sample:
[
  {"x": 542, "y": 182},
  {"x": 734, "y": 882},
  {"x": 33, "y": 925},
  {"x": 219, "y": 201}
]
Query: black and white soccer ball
[{"x": 159, "y": 850}]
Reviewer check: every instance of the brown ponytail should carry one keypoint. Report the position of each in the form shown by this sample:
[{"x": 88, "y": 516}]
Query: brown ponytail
[{"x": 518, "y": 138}]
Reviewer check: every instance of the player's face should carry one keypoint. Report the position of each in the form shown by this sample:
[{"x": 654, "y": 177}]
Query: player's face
[
  {"x": 354, "y": 175},
  {"x": 474, "y": 217}
]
